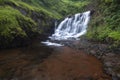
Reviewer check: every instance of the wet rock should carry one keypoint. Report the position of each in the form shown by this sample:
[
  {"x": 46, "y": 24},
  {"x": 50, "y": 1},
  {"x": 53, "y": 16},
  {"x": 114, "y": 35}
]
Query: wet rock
[
  {"x": 108, "y": 64},
  {"x": 110, "y": 59},
  {"x": 93, "y": 52}
]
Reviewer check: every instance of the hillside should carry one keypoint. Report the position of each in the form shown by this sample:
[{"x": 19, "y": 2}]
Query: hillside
[
  {"x": 24, "y": 19},
  {"x": 104, "y": 26},
  {"x": 21, "y": 20}
]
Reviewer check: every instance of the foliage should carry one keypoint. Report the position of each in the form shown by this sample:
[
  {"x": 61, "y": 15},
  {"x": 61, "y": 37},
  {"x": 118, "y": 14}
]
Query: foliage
[
  {"x": 105, "y": 26},
  {"x": 9, "y": 25},
  {"x": 8, "y": 21},
  {"x": 18, "y": 18},
  {"x": 115, "y": 35}
]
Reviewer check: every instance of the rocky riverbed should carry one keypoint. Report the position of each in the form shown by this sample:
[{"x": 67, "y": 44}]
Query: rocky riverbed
[
  {"x": 39, "y": 62},
  {"x": 108, "y": 56}
]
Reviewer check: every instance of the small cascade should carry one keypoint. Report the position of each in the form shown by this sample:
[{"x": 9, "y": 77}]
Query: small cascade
[{"x": 71, "y": 27}]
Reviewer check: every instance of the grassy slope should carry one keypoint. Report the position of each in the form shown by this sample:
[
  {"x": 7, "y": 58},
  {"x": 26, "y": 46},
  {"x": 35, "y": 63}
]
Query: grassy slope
[
  {"x": 16, "y": 16},
  {"x": 105, "y": 26}
]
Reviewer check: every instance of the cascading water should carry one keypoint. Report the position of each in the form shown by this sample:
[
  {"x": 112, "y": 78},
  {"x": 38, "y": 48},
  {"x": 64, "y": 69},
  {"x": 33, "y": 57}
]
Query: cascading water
[{"x": 71, "y": 27}]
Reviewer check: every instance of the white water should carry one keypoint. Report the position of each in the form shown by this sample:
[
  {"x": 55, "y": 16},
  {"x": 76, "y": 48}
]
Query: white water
[
  {"x": 51, "y": 43},
  {"x": 71, "y": 27}
]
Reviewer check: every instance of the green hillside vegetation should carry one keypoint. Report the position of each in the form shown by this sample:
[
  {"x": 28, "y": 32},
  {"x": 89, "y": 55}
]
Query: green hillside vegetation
[
  {"x": 105, "y": 24},
  {"x": 25, "y": 18}
]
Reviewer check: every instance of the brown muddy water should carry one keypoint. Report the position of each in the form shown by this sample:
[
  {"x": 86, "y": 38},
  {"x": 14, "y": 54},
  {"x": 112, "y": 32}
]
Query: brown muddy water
[{"x": 39, "y": 62}]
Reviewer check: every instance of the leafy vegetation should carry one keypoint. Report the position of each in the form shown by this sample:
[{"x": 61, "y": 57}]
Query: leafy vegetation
[
  {"x": 9, "y": 26},
  {"x": 24, "y": 18},
  {"x": 105, "y": 26}
]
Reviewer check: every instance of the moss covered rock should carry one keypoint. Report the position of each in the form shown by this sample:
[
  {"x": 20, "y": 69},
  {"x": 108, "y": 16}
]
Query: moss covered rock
[{"x": 22, "y": 20}]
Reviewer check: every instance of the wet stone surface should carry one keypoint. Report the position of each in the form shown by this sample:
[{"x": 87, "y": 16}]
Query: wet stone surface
[{"x": 110, "y": 58}]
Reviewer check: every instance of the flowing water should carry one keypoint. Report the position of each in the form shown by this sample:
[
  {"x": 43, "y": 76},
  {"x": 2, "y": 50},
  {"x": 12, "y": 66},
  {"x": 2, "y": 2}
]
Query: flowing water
[
  {"x": 70, "y": 28},
  {"x": 56, "y": 61}
]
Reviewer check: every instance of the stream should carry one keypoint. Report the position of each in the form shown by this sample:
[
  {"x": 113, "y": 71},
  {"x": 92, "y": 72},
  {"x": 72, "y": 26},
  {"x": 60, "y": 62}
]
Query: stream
[
  {"x": 40, "y": 62},
  {"x": 54, "y": 59}
]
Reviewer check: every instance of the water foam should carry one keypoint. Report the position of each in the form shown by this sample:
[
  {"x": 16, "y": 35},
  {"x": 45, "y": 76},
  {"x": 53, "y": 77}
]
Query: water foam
[{"x": 71, "y": 28}]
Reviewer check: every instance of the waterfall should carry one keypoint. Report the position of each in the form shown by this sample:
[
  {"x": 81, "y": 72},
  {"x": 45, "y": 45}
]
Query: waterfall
[{"x": 71, "y": 27}]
